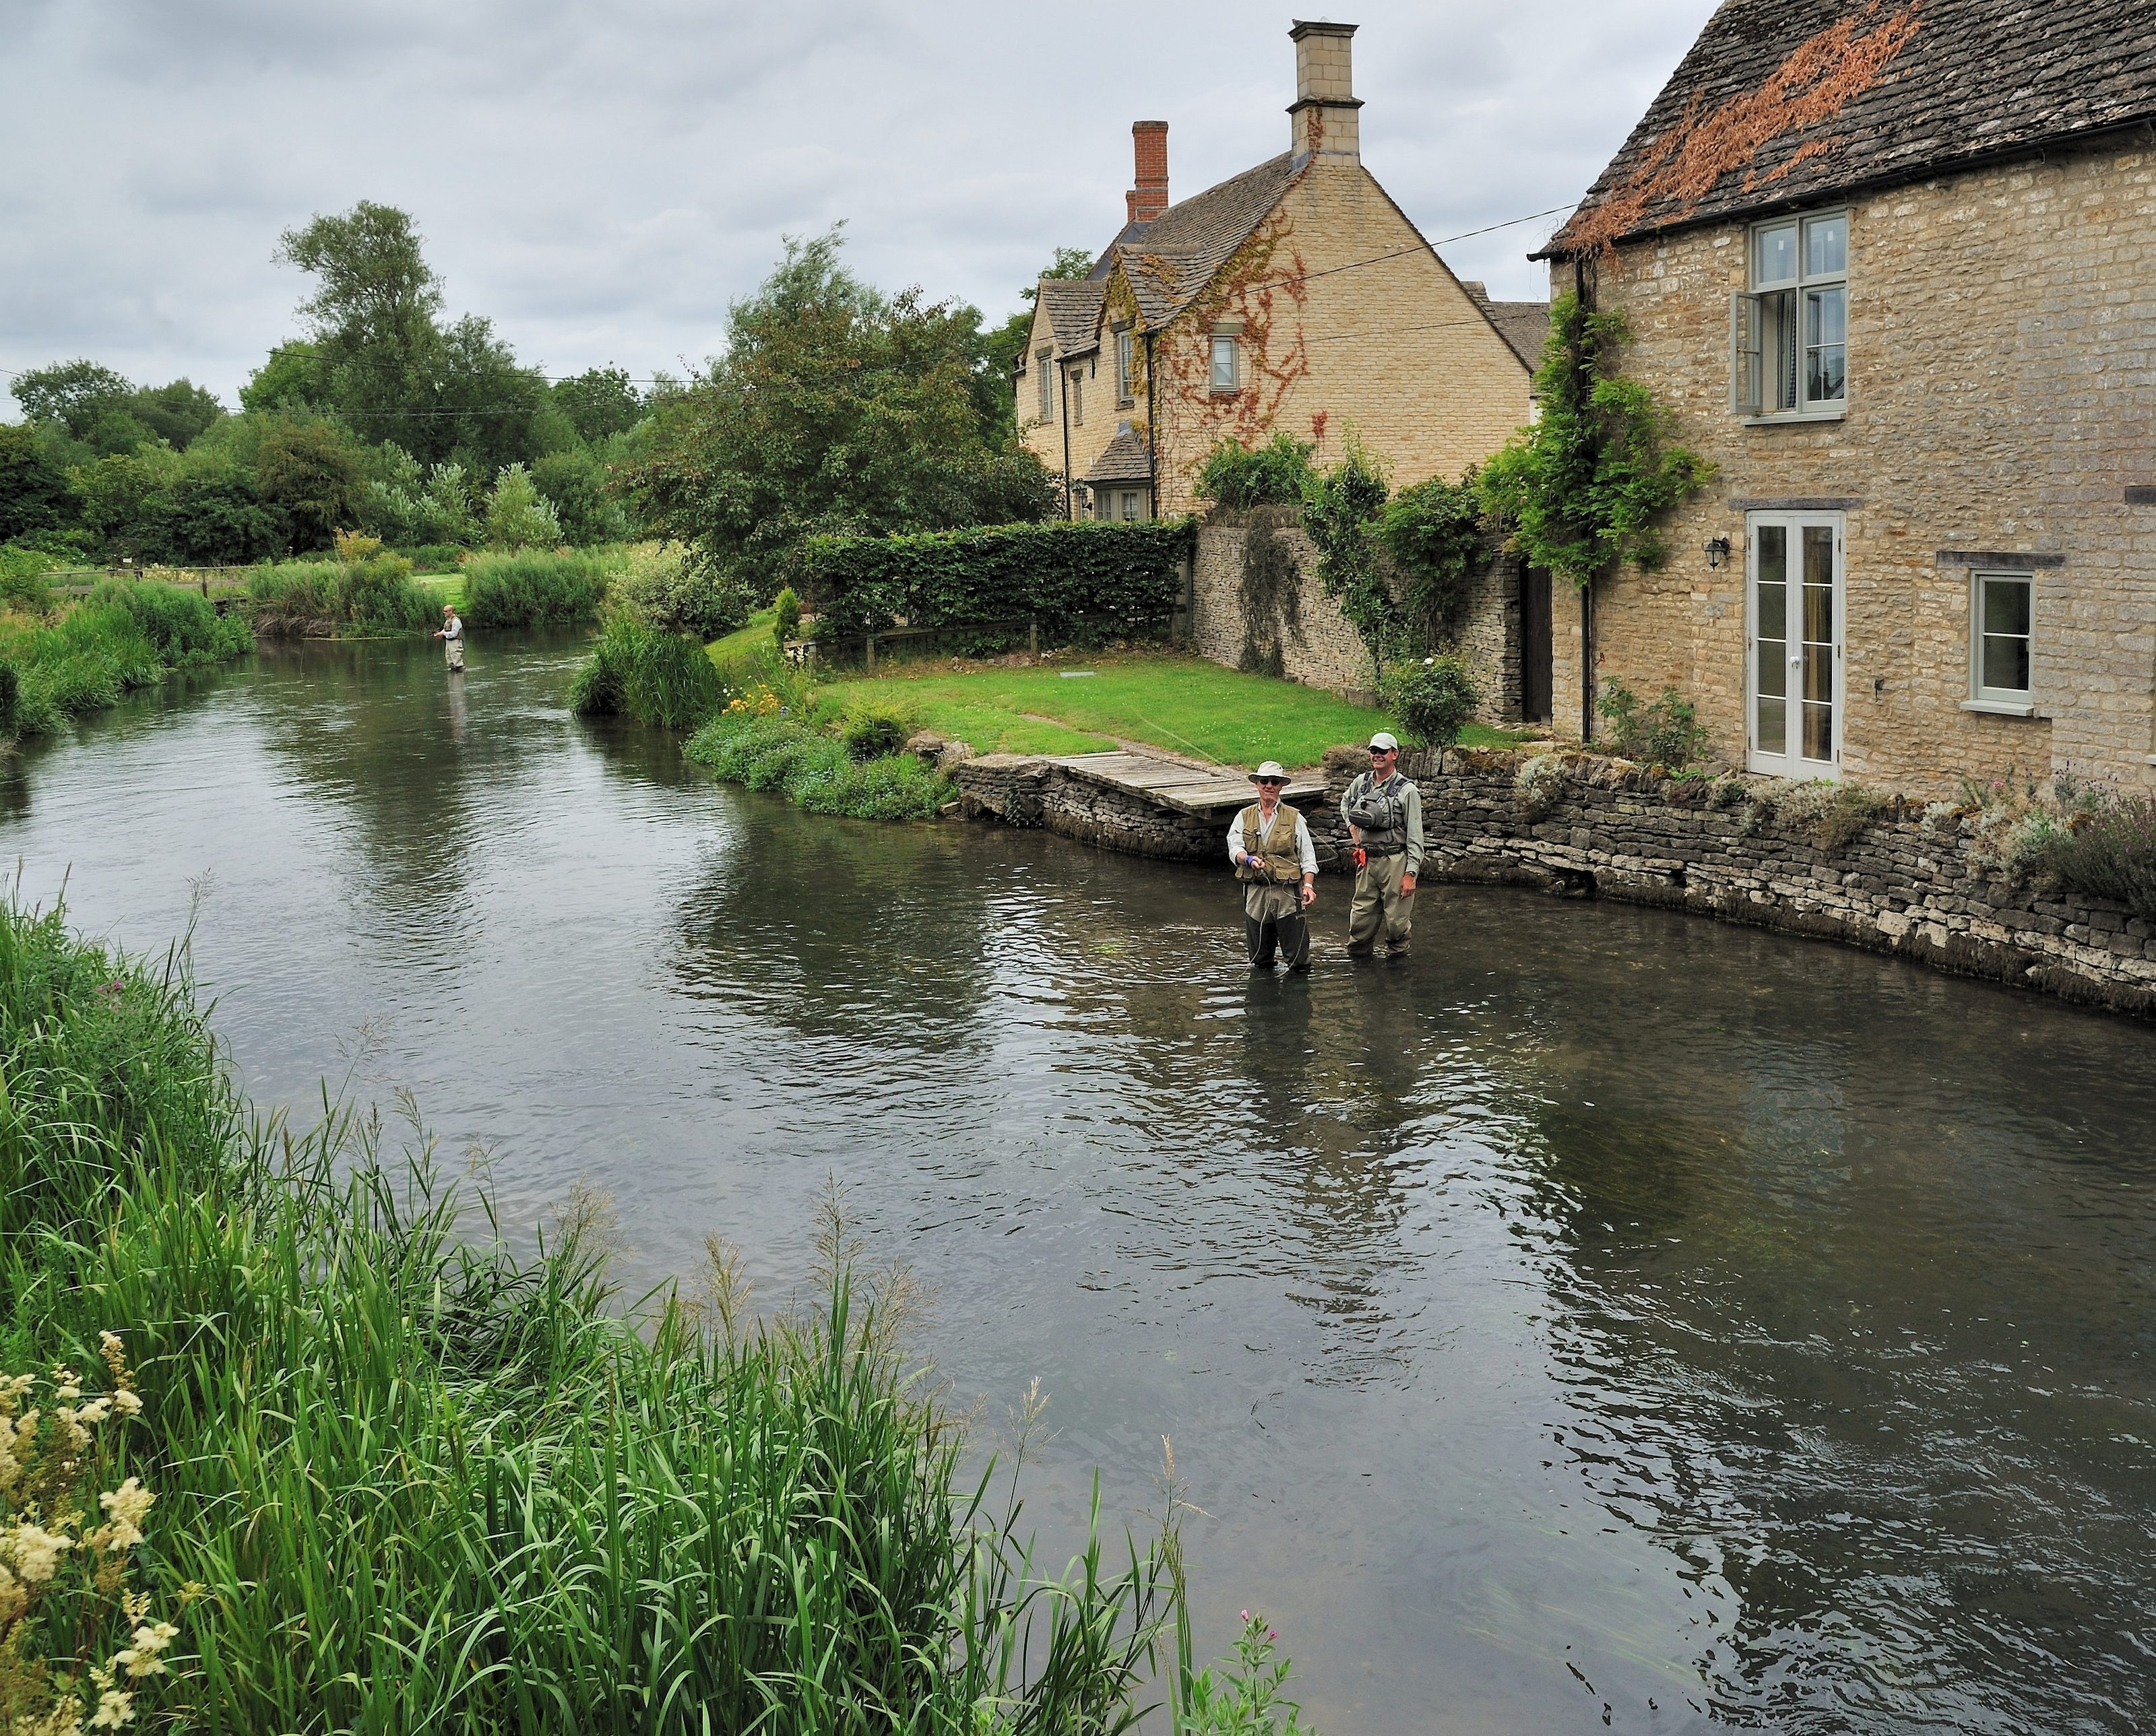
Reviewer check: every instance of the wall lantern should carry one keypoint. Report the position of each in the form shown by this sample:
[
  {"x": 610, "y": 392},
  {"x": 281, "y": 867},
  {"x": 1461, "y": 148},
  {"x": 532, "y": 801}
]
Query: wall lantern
[{"x": 1717, "y": 551}]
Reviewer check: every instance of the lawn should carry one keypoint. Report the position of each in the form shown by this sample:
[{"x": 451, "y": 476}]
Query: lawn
[
  {"x": 447, "y": 587},
  {"x": 747, "y": 641},
  {"x": 1184, "y": 704}
]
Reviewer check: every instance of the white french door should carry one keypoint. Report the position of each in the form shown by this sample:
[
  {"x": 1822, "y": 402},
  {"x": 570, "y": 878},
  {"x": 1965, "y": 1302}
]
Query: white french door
[{"x": 1794, "y": 621}]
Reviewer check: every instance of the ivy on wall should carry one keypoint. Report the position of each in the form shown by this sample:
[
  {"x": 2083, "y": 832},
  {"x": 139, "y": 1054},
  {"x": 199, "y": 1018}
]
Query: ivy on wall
[{"x": 1583, "y": 489}]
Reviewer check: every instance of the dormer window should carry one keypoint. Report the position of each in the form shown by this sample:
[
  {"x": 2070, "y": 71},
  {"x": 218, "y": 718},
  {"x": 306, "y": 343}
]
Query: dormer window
[{"x": 1789, "y": 332}]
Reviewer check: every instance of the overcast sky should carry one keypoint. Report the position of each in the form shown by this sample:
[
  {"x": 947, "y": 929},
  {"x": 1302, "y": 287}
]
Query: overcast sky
[{"x": 601, "y": 180}]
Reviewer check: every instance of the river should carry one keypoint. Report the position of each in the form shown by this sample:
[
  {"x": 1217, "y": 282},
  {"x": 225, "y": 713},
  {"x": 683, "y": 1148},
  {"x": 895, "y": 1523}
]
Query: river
[{"x": 1603, "y": 1319}]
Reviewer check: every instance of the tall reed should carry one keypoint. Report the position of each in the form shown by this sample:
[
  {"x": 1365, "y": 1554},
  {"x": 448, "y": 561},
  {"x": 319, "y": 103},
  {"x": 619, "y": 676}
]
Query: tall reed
[
  {"x": 427, "y": 1484},
  {"x": 649, "y": 674},
  {"x": 537, "y": 588},
  {"x": 122, "y": 637}
]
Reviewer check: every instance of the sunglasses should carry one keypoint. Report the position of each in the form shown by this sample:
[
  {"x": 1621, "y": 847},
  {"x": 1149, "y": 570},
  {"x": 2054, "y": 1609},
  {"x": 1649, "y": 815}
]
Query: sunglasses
[{"x": 1268, "y": 783}]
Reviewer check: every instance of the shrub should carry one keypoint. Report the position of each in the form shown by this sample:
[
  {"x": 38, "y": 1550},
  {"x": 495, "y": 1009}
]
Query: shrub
[
  {"x": 786, "y": 620},
  {"x": 659, "y": 587},
  {"x": 22, "y": 582},
  {"x": 649, "y": 674},
  {"x": 534, "y": 589},
  {"x": 1054, "y": 573},
  {"x": 1825, "y": 812},
  {"x": 1668, "y": 733},
  {"x": 1340, "y": 517},
  {"x": 871, "y": 734},
  {"x": 520, "y": 517},
  {"x": 818, "y": 772},
  {"x": 2108, "y": 850},
  {"x": 1433, "y": 699},
  {"x": 1277, "y": 474},
  {"x": 1437, "y": 538},
  {"x": 1539, "y": 784},
  {"x": 372, "y": 598}
]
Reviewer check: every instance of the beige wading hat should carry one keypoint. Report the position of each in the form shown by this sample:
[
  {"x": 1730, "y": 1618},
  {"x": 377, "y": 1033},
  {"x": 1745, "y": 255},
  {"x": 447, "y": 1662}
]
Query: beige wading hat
[
  {"x": 1271, "y": 768},
  {"x": 1382, "y": 739}
]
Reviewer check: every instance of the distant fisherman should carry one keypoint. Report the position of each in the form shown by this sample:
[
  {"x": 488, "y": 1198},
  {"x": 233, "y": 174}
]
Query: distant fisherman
[
  {"x": 1384, "y": 812},
  {"x": 1269, "y": 845},
  {"x": 452, "y": 637}
]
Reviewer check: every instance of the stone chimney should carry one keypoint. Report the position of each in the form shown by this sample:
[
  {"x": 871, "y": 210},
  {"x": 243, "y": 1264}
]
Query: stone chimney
[
  {"x": 1322, "y": 119},
  {"x": 1148, "y": 198}
]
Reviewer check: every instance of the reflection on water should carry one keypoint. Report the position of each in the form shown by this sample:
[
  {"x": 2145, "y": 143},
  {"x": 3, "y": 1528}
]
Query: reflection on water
[{"x": 1598, "y": 1320}]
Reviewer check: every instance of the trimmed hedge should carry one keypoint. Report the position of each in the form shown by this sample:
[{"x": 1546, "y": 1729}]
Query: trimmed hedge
[{"x": 1054, "y": 573}]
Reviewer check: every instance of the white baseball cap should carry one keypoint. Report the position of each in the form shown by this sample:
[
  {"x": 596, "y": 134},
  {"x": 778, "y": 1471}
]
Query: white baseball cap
[{"x": 1383, "y": 740}]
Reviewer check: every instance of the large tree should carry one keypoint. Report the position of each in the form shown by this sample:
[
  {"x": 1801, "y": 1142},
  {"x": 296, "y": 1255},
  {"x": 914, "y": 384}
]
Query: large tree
[
  {"x": 834, "y": 408},
  {"x": 33, "y": 490},
  {"x": 74, "y": 394}
]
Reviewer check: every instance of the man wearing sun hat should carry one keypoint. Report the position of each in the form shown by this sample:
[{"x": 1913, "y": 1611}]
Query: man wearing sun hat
[
  {"x": 1269, "y": 845},
  {"x": 1384, "y": 814}
]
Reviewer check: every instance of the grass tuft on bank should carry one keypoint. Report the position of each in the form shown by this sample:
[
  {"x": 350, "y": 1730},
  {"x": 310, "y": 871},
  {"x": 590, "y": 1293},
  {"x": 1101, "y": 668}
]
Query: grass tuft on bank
[
  {"x": 125, "y": 634},
  {"x": 403, "y": 1482}
]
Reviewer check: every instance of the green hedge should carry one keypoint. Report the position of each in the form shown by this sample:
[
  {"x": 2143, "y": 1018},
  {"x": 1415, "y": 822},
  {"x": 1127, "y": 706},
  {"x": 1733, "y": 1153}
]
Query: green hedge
[{"x": 1054, "y": 573}]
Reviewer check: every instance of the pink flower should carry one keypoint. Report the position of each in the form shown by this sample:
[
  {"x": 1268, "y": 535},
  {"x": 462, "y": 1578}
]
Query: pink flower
[{"x": 1246, "y": 1615}]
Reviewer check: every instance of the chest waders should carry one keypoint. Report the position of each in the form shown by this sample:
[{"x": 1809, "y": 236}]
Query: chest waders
[{"x": 1272, "y": 892}]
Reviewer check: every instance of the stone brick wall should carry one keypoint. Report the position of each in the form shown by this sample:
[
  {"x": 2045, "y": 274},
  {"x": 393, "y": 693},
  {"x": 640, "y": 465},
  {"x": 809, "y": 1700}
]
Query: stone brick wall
[
  {"x": 1019, "y": 790},
  {"x": 1317, "y": 645},
  {"x": 1612, "y": 830},
  {"x": 2002, "y": 396}
]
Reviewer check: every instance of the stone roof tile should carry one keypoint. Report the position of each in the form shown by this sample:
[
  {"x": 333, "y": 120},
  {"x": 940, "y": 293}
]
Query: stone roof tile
[
  {"x": 1781, "y": 102},
  {"x": 1074, "y": 313},
  {"x": 1124, "y": 460},
  {"x": 1171, "y": 260}
]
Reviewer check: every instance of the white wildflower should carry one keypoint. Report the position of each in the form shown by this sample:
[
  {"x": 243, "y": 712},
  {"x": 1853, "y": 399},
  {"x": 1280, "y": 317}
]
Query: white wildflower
[
  {"x": 36, "y": 1551},
  {"x": 129, "y": 1505},
  {"x": 95, "y": 1411},
  {"x": 127, "y": 1403},
  {"x": 141, "y": 1659},
  {"x": 114, "y": 1709}
]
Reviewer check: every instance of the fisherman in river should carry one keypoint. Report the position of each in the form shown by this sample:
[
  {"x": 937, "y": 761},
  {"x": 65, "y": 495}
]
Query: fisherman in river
[
  {"x": 1269, "y": 845},
  {"x": 1383, "y": 813},
  {"x": 452, "y": 637}
]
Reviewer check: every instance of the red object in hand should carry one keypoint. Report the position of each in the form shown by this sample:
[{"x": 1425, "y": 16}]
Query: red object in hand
[{"x": 1362, "y": 857}]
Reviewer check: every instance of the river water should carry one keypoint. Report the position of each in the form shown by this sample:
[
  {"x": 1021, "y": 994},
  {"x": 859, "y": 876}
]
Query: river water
[{"x": 1604, "y": 1319}]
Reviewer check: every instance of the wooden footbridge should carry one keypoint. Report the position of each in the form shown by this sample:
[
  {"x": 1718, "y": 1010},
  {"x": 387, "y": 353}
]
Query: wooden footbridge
[{"x": 1206, "y": 791}]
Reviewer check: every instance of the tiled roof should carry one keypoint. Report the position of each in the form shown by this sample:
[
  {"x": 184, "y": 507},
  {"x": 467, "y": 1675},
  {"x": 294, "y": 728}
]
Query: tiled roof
[
  {"x": 1169, "y": 260},
  {"x": 1523, "y": 325},
  {"x": 1074, "y": 313},
  {"x": 1784, "y": 102},
  {"x": 1125, "y": 459}
]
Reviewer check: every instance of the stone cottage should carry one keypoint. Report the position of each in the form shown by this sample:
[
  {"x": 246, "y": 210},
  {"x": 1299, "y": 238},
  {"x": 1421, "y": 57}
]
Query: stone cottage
[{"x": 1893, "y": 266}]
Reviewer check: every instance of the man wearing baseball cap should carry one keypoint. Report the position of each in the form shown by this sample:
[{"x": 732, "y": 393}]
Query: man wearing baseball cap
[
  {"x": 1269, "y": 845},
  {"x": 1384, "y": 814}
]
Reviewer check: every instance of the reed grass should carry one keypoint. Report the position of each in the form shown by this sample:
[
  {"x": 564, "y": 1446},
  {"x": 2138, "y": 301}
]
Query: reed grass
[
  {"x": 537, "y": 588},
  {"x": 649, "y": 674},
  {"x": 371, "y": 598},
  {"x": 123, "y": 636},
  {"x": 816, "y": 769},
  {"x": 428, "y": 1485}
]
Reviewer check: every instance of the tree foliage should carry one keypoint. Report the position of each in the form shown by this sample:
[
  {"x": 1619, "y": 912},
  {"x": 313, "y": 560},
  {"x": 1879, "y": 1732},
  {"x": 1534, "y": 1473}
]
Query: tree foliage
[
  {"x": 1582, "y": 490},
  {"x": 835, "y": 410},
  {"x": 598, "y": 402},
  {"x": 33, "y": 490},
  {"x": 311, "y": 475}
]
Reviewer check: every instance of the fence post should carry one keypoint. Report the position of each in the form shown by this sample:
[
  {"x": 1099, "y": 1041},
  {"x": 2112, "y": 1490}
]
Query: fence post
[
  {"x": 1033, "y": 636},
  {"x": 871, "y": 646}
]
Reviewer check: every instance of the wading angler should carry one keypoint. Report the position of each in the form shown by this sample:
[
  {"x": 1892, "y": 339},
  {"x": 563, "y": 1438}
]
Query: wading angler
[{"x": 1269, "y": 845}]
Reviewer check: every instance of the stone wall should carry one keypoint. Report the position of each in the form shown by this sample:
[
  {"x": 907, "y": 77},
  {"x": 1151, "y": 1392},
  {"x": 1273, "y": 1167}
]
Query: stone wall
[
  {"x": 1317, "y": 646},
  {"x": 2001, "y": 398},
  {"x": 1608, "y": 828},
  {"x": 1019, "y": 789}
]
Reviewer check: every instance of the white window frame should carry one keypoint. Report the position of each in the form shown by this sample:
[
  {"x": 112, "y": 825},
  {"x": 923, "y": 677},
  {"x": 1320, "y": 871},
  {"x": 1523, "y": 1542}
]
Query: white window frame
[
  {"x": 1124, "y": 372},
  {"x": 1043, "y": 359},
  {"x": 2003, "y": 701},
  {"x": 1132, "y": 505},
  {"x": 1786, "y": 764},
  {"x": 1074, "y": 394},
  {"x": 1760, "y": 315},
  {"x": 1228, "y": 344}
]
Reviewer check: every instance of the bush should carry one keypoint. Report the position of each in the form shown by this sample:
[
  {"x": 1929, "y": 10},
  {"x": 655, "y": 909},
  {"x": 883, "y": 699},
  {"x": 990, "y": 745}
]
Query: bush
[
  {"x": 1433, "y": 699},
  {"x": 871, "y": 734},
  {"x": 1278, "y": 474},
  {"x": 1054, "y": 573},
  {"x": 818, "y": 772},
  {"x": 661, "y": 588},
  {"x": 1437, "y": 539},
  {"x": 1668, "y": 733},
  {"x": 649, "y": 674},
  {"x": 786, "y": 618},
  {"x": 22, "y": 582},
  {"x": 534, "y": 589},
  {"x": 2108, "y": 850}
]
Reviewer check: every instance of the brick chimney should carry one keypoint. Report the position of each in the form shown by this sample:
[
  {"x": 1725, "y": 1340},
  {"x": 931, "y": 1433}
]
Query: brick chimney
[
  {"x": 1148, "y": 198},
  {"x": 1322, "y": 118}
]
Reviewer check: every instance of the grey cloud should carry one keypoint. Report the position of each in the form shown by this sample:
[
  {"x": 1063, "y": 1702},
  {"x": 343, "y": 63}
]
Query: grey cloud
[{"x": 602, "y": 181}]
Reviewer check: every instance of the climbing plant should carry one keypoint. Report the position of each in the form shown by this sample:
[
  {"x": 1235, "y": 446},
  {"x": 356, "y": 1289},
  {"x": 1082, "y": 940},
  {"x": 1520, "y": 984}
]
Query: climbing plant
[
  {"x": 1582, "y": 489},
  {"x": 1339, "y": 515},
  {"x": 1436, "y": 537},
  {"x": 1268, "y": 596}
]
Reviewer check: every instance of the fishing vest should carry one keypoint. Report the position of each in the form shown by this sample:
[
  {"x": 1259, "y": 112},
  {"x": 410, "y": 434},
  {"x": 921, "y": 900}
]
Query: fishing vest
[
  {"x": 1379, "y": 811},
  {"x": 1283, "y": 861}
]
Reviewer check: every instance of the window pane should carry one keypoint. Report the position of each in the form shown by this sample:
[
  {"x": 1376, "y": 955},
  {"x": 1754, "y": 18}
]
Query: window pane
[
  {"x": 1774, "y": 614},
  {"x": 1774, "y": 259},
  {"x": 1826, "y": 373},
  {"x": 1773, "y": 555},
  {"x": 1774, "y": 675},
  {"x": 1826, "y": 316},
  {"x": 1819, "y": 732},
  {"x": 1819, "y": 554},
  {"x": 1770, "y": 730},
  {"x": 2005, "y": 664},
  {"x": 1782, "y": 311},
  {"x": 1826, "y": 247},
  {"x": 1819, "y": 672},
  {"x": 2006, "y": 606}
]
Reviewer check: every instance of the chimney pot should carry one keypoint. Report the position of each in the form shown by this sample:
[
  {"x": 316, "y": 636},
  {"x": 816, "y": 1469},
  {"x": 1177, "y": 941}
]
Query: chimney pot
[
  {"x": 1322, "y": 119},
  {"x": 1148, "y": 197}
]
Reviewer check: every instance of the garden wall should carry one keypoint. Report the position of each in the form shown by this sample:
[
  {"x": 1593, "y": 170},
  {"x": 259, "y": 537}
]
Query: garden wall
[
  {"x": 1254, "y": 593},
  {"x": 1608, "y": 828}
]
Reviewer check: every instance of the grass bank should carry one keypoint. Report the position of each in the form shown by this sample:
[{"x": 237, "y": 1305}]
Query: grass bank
[
  {"x": 1184, "y": 704},
  {"x": 404, "y": 1482},
  {"x": 125, "y": 634}
]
